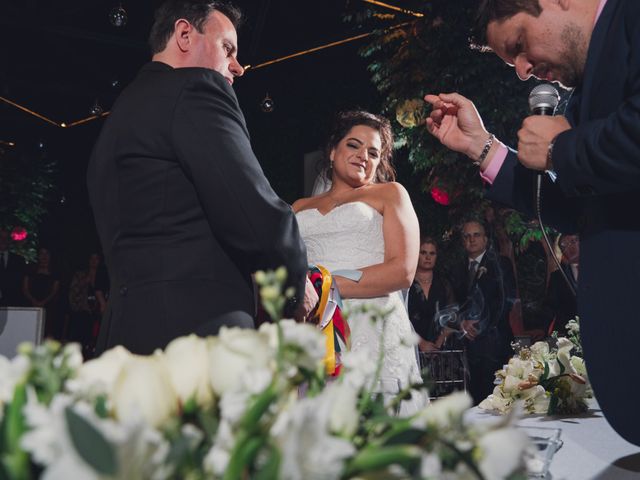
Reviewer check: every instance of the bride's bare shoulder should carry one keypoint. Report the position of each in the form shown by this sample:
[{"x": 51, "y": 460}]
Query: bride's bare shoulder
[{"x": 388, "y": 191}]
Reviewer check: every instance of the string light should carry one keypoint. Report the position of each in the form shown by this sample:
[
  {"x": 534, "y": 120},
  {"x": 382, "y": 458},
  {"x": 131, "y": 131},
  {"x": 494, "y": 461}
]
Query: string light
[
  {"x": 321, "y": 47},
  {"x": 246, "y": 68},
  {"x": 31, "y": 112},
  {"x": 393, "y": 7}
]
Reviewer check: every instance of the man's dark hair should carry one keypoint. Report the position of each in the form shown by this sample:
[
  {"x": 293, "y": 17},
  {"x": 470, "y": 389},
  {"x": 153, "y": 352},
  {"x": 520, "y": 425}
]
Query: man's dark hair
[
  {"x": 195, "y": 12},
  {"x": 498, "y": 10}
]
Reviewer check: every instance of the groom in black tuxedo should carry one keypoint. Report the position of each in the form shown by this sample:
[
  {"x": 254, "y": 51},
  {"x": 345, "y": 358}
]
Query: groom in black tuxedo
[{"x": 183, "y": 210}]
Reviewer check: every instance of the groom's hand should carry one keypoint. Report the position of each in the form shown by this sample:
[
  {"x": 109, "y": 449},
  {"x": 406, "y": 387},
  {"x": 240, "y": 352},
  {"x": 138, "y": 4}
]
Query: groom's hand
[{"x": 309, "y": 302}]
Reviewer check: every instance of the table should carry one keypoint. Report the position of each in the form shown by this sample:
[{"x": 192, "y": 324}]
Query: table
[{"x": 592, "y": 450}]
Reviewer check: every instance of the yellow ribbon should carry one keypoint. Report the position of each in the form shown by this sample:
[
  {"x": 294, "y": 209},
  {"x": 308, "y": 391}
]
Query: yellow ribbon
[{"x": 330, "y": 356}]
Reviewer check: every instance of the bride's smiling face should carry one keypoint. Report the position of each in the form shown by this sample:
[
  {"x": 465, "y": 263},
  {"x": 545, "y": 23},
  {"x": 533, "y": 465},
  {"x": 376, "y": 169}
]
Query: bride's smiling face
[{"x": 357, "y": 156}]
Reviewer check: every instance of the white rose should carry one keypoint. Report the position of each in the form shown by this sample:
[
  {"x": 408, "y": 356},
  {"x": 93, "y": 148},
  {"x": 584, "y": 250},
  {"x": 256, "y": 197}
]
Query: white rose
[
  {"x": 443, "y": 411},
  {"x": 502, "y": 452},
  {"x": 564, "y": 356},
  {"x": 343, "y": 417},
  {"x": 496, "y": 401},
  {"x": 540, "y": 350},
  {"x": 99, "y": 375},
  {"x": 578, "y": 364},
  {"x": 233, "y": 352},
  {"x": 187, "y": 360},
  {"x": 511, "y": 384},
  {"x": 538, "y": 403},
  {"x": 12, "y": 372},
  {"x": 144, "y": 388}
]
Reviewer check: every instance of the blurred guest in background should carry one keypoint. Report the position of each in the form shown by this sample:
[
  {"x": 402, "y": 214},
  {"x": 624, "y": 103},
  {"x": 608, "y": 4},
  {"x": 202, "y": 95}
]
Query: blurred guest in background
[
  {"x": 560, "y": 303},
  {"x": 84, "y": 305},
  {"x": 40, "y": 287}
]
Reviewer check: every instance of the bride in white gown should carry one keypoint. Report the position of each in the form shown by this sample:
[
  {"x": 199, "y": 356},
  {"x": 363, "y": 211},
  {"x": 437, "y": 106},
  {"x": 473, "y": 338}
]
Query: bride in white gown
[{"x": 366, "y": 222}]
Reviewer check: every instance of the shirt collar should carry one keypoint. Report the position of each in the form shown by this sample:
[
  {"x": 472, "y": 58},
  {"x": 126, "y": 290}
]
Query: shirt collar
[
  {"x": 600, "y": 8},
  {"x": 478, "y": 258}
]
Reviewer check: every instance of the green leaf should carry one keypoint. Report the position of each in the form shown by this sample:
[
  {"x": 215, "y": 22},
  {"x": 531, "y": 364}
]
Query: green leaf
[
  {"x": 101, "y": 406},
  {"x": 373, "y": 459},
  {"x": 243, "y": 456},
  {"x": 410, "y": 436},
  {"x": 90, "y": 444},
  {"x": 14, "y": 422},
  {"x": 270, "y": 469}
]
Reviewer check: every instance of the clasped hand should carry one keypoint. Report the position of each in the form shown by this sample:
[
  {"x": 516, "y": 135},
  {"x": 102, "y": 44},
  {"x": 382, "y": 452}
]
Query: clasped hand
[
  {"x": 309, "y": 302},
  {"x": 535, "y": 136}
]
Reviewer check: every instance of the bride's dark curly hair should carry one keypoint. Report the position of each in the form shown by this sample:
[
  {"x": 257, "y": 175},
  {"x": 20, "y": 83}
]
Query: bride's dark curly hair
[{"x": 344, "y": 122}]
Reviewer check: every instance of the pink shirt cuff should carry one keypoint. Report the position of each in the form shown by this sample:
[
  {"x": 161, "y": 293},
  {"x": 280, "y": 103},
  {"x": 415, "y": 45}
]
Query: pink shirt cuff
[{"x": 491, "y": 172}]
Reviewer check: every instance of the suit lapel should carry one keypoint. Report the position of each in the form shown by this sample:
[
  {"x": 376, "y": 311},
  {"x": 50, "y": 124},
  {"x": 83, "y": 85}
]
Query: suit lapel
[{"x": 596, "y": 46}]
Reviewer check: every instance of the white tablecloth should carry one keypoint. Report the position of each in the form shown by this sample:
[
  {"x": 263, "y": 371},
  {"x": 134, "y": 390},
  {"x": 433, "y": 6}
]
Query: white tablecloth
[{"x": 591, "y": 449}]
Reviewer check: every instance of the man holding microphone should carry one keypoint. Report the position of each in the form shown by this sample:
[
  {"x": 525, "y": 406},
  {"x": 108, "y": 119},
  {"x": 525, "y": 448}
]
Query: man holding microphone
[{"x": 592, "y": 153}]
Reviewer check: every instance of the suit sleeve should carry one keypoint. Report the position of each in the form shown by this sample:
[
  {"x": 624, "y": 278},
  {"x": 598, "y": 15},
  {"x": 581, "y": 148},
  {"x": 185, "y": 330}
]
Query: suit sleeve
[
  {"x": 603, "y": 156},
  {"x": 515, "y": 186},
  {"x": 246, "y": 216}
]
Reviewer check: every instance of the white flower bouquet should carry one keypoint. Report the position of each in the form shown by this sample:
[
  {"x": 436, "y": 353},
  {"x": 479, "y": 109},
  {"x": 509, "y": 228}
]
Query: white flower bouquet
[
  {"x": 231, "y": 407},
  {"x": 545, "y": 376}
]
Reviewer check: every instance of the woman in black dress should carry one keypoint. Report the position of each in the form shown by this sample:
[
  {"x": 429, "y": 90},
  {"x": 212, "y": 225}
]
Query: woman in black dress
[{"x": 428, "y": 293}]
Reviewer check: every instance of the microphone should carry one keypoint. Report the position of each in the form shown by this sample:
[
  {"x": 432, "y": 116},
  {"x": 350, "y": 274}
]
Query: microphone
[{"x": 544, "y": 99}]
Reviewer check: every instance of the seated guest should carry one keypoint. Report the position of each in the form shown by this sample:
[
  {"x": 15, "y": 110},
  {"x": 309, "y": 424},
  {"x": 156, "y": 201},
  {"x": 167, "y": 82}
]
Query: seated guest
[
  {"x": 484, "y": 286},
  {"x": 428, "y": 293},
  {"x": 560, "y": 301},
  {"x": 84, "y": 304}
]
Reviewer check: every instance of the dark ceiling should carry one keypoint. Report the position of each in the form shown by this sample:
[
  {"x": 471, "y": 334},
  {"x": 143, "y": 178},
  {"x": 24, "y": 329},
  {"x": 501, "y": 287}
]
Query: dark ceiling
[{"x": 60, "y": 58}]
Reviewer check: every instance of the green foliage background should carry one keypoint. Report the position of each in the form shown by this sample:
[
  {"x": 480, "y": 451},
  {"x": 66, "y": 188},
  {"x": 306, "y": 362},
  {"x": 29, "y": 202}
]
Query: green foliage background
[
  {"x": 431, "y": 54},
  {"x": 27, "y": 179}
]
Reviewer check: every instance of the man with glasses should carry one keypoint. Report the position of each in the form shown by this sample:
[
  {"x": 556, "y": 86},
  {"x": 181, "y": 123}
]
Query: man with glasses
[{"x": 484, "y": 287}]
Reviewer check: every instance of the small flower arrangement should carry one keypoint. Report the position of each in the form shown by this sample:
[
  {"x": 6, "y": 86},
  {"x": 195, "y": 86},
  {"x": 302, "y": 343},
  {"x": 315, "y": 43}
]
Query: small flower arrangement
[
  {"x": 545, "y": 376},
  {"x": 231, "y": 407}
]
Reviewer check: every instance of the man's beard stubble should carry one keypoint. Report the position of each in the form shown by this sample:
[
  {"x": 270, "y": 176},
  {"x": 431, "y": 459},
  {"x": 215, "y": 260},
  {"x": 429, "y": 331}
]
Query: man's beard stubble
[{"x": 575, "y": 55}]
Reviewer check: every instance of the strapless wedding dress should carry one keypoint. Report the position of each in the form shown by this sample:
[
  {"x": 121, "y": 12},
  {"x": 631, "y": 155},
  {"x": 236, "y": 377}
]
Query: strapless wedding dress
[{"x": 350, "y": 237}]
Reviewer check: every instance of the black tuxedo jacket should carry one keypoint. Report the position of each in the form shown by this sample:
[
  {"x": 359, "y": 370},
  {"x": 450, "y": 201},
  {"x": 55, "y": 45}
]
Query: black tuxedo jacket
[
  {"x": 495, "y": 281},
  {"x": 11, "y": 277},
  {"x": 597, "y": 193},
  {"x": 184, "y": 212}
]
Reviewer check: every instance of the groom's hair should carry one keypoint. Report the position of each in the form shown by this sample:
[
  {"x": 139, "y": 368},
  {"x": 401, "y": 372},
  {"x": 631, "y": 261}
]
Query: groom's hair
[
  {"x": 345, "y": 121},
  {"x": 196, "y": 12},
  {"x": 498, "y": 10}
]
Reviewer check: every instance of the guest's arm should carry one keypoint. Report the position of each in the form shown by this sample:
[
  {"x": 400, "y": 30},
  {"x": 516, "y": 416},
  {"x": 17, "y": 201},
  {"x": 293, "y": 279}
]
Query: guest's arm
[{"x": 401, "y": 247}]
